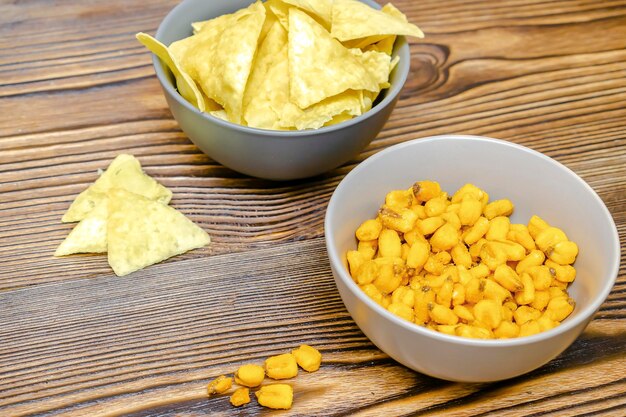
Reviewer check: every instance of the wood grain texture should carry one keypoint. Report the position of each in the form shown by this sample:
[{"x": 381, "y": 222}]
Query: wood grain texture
[
  {"x": 76, "y": 89},
  {"x": 148, "y": 346}
]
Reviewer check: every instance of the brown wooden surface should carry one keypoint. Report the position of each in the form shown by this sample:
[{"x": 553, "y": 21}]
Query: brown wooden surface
[{"x": 76, "y": 89}]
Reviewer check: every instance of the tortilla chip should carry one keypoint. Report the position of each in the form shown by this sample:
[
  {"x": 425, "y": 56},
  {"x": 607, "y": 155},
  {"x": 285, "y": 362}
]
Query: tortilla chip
[
  {"x": 320, "y": 10},
  {"x": 90, "y": 235},
  {"x": 124, "y": 172},
  {"x": 265, "y": 82},
  {"x": 219, "y": 57},
  {"x": 378, "y": 64},
  {"x": 220, "y": 114},
  {"x": 367, "y": 100},
  {"x": 270, "y": 19},
  {"x": 352, "y": 19},
  {"x": 319, "y": 114},
  {"x": 142, "y": 232},
  {"x": 342, "y": 117},
  {"x": 320, "y": 66},
  {"x": 184, "y": 83},
  {"x": 280, "y": 10},
  {"x": 394, "y": 62},
  {"x": 380, "y": 43},
  {"x": 267, "y": 100},
  {"x": 384, "y": 45},
  {"x": 220, "y": 21}
]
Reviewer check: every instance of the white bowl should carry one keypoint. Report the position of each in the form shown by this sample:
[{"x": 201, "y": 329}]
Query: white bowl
[{"x": 536, "y": 184}]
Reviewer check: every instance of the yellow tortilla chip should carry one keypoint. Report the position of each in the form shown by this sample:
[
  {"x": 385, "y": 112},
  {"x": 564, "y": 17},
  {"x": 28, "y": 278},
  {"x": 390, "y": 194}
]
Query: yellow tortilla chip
[
  {"x": 394, "y": 62},
  {"x": 367, "y": 100},
  {"x": 221, "y": 21},
  {"x": 320, "y": 113},
  {"x": 124, "y": 172},
  {"x": 342, "y": 117},
  {"x": 270, "y": 19},
  {"x": 280, "y": 10},
  {"x": 265, "y": 80},
  {"x": 219, "y": 57},
  {"x": 320, "y": 10},
  {"x": 352, "y": 19},
  {"x": 142, "y": 232},
  {"x": 382, "y": 43},
  {"x": 267, "y": 100},
  {"x": 320, "y": 66},
  {"x": 378, "y": 64},
  {"x": 184, "y": 83},
  {"x": 88, "y": 236},
  {"x": 220, "y": 114}
]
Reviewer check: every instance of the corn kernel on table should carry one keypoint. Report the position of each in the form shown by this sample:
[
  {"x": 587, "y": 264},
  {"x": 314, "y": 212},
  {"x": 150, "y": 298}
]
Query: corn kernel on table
[{"x": 77, "y": 89}]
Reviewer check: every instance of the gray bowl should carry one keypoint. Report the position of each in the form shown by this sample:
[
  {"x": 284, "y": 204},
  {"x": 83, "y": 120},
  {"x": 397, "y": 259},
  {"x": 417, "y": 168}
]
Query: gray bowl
[
  {"x": 270, "y": 154},
  {"x": 536, "y": 184}
]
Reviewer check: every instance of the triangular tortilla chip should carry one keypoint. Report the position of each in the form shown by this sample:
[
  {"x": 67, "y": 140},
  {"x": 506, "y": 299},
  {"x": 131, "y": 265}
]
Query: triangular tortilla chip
[
  {"x": 383, "y": 43},
  {"x": 267, "y": 103},
  {"x": 270, "y": 19},
  {"x": 352, "y": 19},
  {"x": 89, "y": 236},
  {"x": 142, "y": 232},
  {"x": 261, "y": 89},
  {"x": 219, "y": 57},
  {"x": 378, "y": 64},
  {"x": 185, "y": 85},
  {"x": 320, "y": 66},
  {"x": 280, "y": 10},
  {"x": 320, "y": 10},
  {"x": 342, "y": 117},
  {"x": 319, "y": 114},
  {"x": 124, "y": 172}
]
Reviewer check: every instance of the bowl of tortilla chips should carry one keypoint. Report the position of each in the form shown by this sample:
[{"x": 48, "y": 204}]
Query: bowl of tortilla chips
[{"x": 282, "y": 89}]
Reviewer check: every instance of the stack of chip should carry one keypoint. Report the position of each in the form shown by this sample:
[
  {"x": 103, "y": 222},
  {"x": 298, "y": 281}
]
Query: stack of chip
[
  {"x": 287, "y": 64},
  {"x": 126, "y": 214}
]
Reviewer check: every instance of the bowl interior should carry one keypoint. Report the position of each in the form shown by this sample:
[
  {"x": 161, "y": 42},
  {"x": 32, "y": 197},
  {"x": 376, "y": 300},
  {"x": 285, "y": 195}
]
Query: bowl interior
[
  {"x": 177, "y": 25},
  {"x": 535, "y": 184}
]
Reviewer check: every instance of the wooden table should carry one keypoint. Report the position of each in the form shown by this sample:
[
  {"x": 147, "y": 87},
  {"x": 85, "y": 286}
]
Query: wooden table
[{"x": 77, "y": 89}]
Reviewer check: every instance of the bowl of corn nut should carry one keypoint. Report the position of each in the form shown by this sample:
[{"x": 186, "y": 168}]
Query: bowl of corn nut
[{"x": 469, "y": 258}]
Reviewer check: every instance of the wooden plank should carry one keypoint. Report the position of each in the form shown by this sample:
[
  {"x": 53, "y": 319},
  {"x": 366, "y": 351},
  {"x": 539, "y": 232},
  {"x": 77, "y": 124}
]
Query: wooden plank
[{"x": 149, "y": 343}]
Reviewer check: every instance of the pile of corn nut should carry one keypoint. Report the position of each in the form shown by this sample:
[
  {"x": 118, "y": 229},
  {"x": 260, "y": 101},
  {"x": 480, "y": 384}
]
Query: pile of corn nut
[
  {"x": 276, "y": 395},
  {"x": 458, "y": 265}
]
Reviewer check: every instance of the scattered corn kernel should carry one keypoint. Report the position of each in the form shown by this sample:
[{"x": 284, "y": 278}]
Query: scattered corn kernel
[
  {"x": 307, "y": 357},
  {"x": 458, "y": 266},
  {"x": 240, "y": 397},
  {"x": 250, "y": 375},
  {"x": 281, "y": 366},
  {"x": 219, "y": 385},
  {"x": 276, "y": 396}
]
